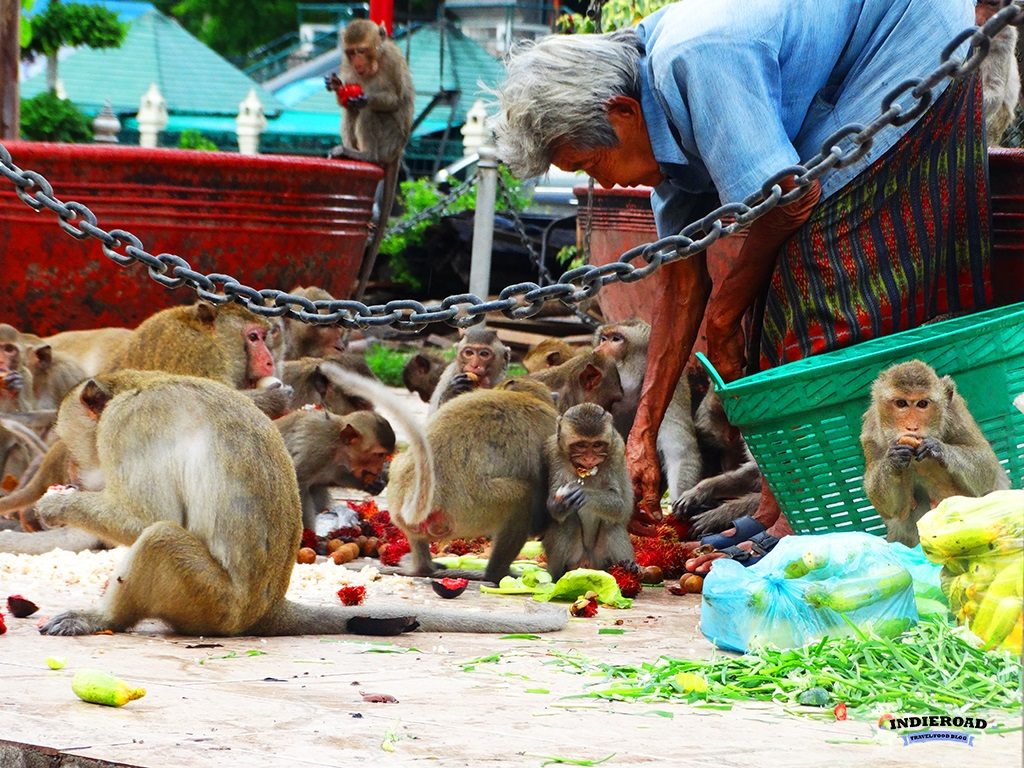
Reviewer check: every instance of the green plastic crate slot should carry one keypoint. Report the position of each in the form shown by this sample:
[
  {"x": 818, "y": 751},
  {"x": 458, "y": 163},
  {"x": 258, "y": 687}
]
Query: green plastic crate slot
[{"x": 802, "y": 420}]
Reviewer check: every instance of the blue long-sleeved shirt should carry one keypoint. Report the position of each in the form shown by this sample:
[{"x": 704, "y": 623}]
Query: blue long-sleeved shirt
[{"x": 734, "y": 92}]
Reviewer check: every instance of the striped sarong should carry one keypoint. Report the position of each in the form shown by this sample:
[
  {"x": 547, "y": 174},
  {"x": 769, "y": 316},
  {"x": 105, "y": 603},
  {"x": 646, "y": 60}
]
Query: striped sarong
[{"x": 907, "y": 240}]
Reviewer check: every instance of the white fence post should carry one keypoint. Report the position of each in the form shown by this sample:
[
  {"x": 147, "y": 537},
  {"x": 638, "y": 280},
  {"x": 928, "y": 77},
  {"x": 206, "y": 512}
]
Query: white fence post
[{"x": 483, "y": 221}]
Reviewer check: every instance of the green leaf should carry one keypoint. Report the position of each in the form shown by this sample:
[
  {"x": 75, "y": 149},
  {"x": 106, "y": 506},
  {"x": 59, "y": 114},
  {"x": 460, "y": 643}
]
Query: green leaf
[
  {"x": 536, "y": 690},
  {"x": 610, "y": 631},
  {"x": 520, "y": 636},
  {"x": 556, "y": 760}
]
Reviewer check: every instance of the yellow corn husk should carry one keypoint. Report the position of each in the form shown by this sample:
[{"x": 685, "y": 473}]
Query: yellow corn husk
[
  {"x": 98, "y": 687},
  {"x": 995, "y": 622},
  {"x": 961, "y": 525}
]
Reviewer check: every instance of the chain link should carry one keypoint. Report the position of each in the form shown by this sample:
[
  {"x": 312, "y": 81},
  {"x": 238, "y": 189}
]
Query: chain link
[
  {"x": 843, "y": 148},
  {"x": 433, "y": 211}
]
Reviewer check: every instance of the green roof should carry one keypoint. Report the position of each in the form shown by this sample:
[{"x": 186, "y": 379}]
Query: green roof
[{"x": 192, "y": 78}]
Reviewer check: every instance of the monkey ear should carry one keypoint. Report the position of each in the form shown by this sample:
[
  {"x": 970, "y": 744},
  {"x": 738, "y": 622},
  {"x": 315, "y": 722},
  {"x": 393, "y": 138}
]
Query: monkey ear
[
  {"x": 421, "y": 363},
  {"x": 206, "y": 312},
  {"x": 948, "y": 388},
  {"x": 383, "y": 32},
  {"x": 350, "y": 434},
  {"x": 44, "y": 354},
  {"x": 590, "y": 377},
  {"x": 320, "y": 382},
  {"x": 94, "y": 397},
  {"x": 554, "y": 358}
]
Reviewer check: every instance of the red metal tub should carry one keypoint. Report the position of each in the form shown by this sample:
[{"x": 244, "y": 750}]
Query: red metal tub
[{"x": 271, "y": 221}]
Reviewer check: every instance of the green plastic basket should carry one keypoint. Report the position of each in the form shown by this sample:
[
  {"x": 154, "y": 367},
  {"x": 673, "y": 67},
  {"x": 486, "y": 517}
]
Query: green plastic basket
[{"x": 802, "y": 420}]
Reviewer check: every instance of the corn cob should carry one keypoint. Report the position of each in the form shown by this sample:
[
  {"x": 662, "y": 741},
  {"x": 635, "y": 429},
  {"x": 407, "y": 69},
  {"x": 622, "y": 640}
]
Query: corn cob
[
  {"x": 995, "y": 622},
  {"x": 99, "y": 687},
  {"x": 851, "y": 595}
]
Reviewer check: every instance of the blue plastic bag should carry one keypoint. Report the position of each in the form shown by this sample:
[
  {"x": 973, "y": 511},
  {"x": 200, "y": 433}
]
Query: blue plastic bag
[
  {"x": 927, "y": 585},
  {"x": 801, "y": 591}
]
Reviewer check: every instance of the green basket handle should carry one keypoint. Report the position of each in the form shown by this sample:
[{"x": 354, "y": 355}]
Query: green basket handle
[{"x": 715, "y": 378}]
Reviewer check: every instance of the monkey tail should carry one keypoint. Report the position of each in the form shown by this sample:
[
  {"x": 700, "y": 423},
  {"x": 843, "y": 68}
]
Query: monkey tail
[
  {"x": 291, "y": 618},
  {"x": 415, "y": 510},
  {"x": 25, "y": 436}
]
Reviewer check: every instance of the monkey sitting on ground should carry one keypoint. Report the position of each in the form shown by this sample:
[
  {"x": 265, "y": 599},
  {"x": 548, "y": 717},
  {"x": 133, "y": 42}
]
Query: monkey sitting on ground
[
  {"x": 213, "y": 533},
  {"x": 421, "y": 375},
  {"x": 626, "y": 343},
  {"x": 310, "y": 387},
  {"x": 54, "y": 374},
  {"x": 591, "y": 494},
  {"x": 225, "y": 343},
  {"x": 548, "y": 354},
  {"x": 921, "y": 445},
  {"x": 329, "y": 450},
  {"x": 309, "y": 340},
  {"x": 481, "y": 361},
  {"x": 15, "y": 376}
]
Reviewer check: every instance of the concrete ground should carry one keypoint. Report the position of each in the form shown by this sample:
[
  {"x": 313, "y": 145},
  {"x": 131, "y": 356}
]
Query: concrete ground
[{"x": 299, "y": 701}]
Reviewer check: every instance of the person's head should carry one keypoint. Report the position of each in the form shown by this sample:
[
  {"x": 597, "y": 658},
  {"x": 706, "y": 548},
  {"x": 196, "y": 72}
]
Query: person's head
[{"x": 573, "y": 100}]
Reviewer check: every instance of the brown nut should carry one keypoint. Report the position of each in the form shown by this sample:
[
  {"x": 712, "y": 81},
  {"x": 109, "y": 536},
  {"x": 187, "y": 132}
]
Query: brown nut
[
  {"x": 370, "y": 547},
  {"x": 361, "y": 541},
  {"x": 333, "y": 544},
  {"x": 691, "y": 584},
  {"x": 306, "y": 556},
  {"x": 341, "y": 555},
  {"x": 652, "y": 574},
  {"x": 351, "y": 549}
]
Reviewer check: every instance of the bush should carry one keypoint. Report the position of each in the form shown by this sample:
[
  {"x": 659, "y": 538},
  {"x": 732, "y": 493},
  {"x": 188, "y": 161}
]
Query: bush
[
  {"x": 193, "y": 139},
  {"x": 47, "y": 117},
  {"x": 387, "y": 364}
]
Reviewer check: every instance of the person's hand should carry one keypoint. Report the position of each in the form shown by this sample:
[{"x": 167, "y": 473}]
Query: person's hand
[{"x": 642, "y": 459}]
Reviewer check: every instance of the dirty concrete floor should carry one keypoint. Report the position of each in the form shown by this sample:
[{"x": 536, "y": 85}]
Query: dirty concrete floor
[{"x": 264, "y": 703}]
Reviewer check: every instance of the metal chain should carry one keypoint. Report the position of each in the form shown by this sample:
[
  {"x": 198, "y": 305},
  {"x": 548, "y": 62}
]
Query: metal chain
[
  {"x": 847, "y": 145},
  {"x": 545, "y": 276},
  {"x": 436, "y": 209}
]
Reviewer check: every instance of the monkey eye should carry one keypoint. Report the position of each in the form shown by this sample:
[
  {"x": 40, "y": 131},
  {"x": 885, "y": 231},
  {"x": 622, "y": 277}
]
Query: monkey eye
[
  {"x": 901, "y": 403},
  {"x": 253, "y": 336},
  {"x": 9, "y": 348},
  {"x": 922, "y": 403},
  {"x": 485, "y": 353}
]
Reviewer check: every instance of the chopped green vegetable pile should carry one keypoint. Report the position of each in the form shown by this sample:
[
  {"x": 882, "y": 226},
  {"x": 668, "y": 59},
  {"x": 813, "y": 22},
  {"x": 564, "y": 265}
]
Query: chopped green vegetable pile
[{"x": 928, "y": 669}]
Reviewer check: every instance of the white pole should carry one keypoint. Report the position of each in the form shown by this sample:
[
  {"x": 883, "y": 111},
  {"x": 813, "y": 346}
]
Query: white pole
[{"x": 483, "y": 221}]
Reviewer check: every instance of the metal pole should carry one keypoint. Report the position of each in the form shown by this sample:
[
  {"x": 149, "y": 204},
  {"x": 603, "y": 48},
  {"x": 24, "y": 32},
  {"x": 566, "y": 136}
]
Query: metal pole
[
  {"x": 10, "y": 13},
  {"x": 483, "y": 221}
]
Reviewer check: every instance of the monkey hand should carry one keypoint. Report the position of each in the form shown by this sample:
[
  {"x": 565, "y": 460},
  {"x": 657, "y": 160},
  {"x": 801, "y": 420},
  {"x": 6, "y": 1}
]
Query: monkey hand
[
  {"x": 332, "y": 82},
  {"x": 930, "y": 448},
  {"x": 52, "y": 507},
  {"x": 13, "y": 381},
  {"x": 565, "y": 500},
  {"x": 462, "y": 383},
  {"x": 692, "y": 502},
  {"x": 899, "y": 456},
  {"x": 351, "y": 95}
]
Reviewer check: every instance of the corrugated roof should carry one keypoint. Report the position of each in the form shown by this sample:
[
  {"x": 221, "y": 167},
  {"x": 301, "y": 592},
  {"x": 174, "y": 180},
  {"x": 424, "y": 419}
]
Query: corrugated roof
[
  {"x": 193, "y": 78},
  {"x": 466, "y": 64}
]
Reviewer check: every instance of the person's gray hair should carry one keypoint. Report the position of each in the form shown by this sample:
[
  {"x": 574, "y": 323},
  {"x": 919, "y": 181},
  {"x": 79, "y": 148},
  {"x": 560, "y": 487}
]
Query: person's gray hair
[{"x": 555, "y": 94}]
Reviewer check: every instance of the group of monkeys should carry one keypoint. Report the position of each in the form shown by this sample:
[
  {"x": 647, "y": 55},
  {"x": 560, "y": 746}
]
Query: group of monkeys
[{"x": 208, "y": 437}]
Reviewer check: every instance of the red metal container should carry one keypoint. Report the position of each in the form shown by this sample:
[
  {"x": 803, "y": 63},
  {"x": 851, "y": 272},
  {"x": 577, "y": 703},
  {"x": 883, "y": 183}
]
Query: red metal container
[{"x": 271, "y": 221}]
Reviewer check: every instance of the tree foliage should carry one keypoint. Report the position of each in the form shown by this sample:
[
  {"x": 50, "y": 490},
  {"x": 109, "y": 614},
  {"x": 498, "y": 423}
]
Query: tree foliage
[
  {"x": 74, "y": 24},
  {"x": 47, "y": 117},
  {"x": 234, "y": 27}
]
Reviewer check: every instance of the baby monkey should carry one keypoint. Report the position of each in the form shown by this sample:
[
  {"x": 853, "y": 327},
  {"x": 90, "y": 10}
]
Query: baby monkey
[
  {"x": 591, "y": 495},
  {"x": 921, "y": 445}
]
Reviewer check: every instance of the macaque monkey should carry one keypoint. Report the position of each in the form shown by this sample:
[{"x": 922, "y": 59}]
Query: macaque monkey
[
  {"x": 376, "y": 93},
  {"x": 489, "y": 475},
  {"x": 715, "y": 502},
  {"x": 587, "y": 378},
  {"x": 329, "y": 450},
  {"x": 547, "y": 354},
  {"x": 591, "y": 494},
  {"x": 308, "y": 340},
  {"x": 481, "y": 360},
  {"x": 93, "y": 350},
  {"x": 15, "y": 377},
  {"x": 199, "y": 484},
  {"x": 311, "y": 387},
  {"x": 226, "y": 343},
  {"x": 626, "y": 343},
  {"x": 921, "y": 444},
  {"x": 54, "y": 374},
  {"x": 1000, "y": 75},
  {"x": 421, "y": 375}
]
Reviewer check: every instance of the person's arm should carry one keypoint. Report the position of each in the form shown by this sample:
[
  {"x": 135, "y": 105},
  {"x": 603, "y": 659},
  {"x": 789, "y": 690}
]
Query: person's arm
[
  {"x": 680, "y": 295},
  {"x": 749, "y": 276}
]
